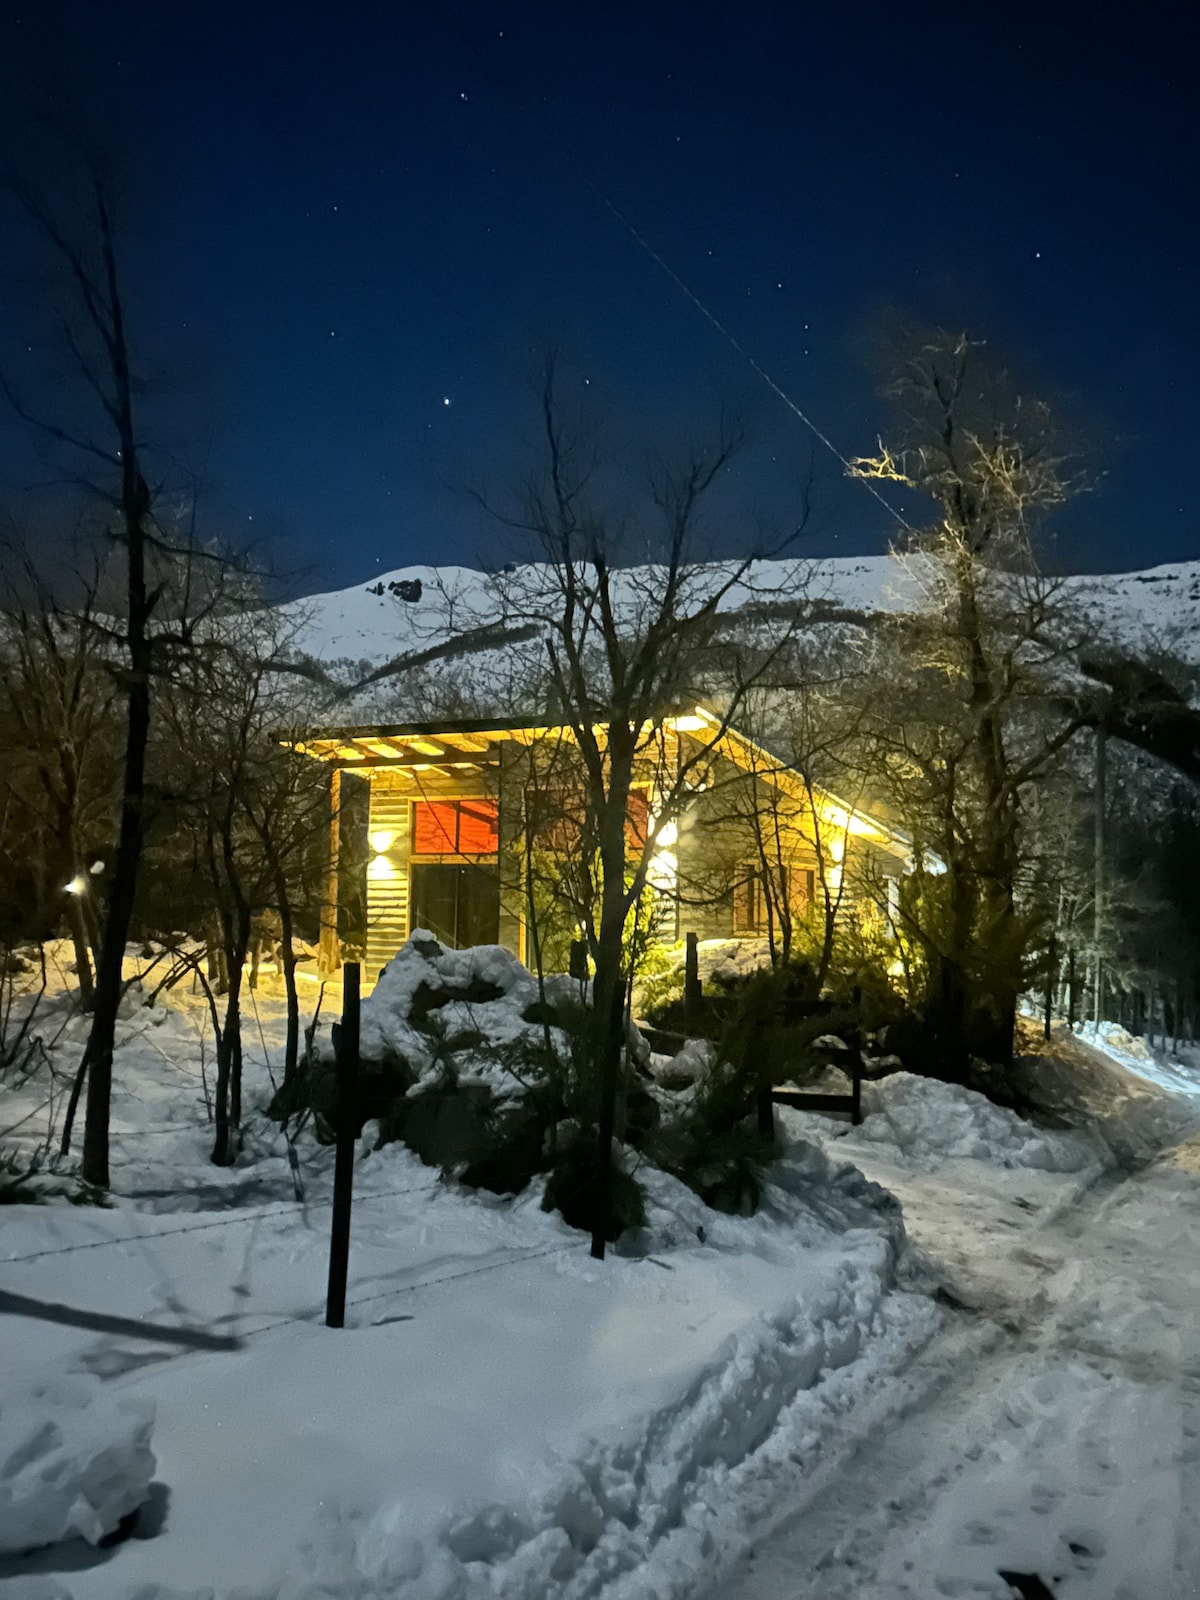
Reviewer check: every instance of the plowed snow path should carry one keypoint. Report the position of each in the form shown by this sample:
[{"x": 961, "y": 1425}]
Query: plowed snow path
[{"x": 1067, "y": 1447}]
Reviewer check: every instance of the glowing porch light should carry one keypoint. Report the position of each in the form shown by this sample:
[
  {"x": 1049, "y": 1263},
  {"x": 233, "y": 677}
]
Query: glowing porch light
[
  {"x": 662, "y": 874},
  {"x": 77, "y": 885},
  {"x": 381, "y": 842},
  {"x": 848, "y": 822},
  {"x": 380, "y": 867}
]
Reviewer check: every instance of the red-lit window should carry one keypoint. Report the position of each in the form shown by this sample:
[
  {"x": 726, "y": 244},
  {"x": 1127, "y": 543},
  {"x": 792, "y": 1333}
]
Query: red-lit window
[
  {"x": 796, "y": 885},
  {"x": 557, "y": 817},
  {"x": 455, "y": 828}
]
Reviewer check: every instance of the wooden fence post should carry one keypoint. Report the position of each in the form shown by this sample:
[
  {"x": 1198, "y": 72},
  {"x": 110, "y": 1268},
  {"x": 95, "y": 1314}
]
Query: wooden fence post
[
  {"x": 766, "y": 1112},
  {"x": 345, "y": 1046}
]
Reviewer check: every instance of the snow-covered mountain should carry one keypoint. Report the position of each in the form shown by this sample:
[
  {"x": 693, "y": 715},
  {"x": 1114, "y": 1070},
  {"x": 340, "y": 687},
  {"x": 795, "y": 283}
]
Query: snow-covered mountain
[{"x": 413, "y": 608}]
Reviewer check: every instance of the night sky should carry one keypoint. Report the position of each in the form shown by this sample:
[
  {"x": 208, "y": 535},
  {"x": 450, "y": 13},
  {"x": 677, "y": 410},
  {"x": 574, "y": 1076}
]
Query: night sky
[{"x": 354, "y": 226}]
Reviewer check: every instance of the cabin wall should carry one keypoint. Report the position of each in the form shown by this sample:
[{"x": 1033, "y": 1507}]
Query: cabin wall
[
  {"x": 713, "y": 853},
  {"x": 387, "y": 871}
]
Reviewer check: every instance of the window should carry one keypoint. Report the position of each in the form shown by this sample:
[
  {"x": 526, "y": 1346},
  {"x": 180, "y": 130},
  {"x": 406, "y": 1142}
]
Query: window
[
  {"x": 455, "y": 828},
  {"x": 558, "y": 815},
  {"x": 454, "y": 889},
  {"x": 637, "y": 821},
  {"x": 749, "y": 901},
  {"x": 750, "y": 895},
  {"x": 458, "y": 902}
]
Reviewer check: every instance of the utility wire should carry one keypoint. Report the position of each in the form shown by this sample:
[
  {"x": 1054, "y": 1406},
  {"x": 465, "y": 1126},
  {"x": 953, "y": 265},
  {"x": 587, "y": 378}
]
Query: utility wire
[
  {"x": 261, "y": 1214},
  {"x": 571, "y": 159},
  {"x": 732, "y": 339}
]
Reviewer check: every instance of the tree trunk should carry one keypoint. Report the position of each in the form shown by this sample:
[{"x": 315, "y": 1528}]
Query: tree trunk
[
  {"x": 102, "y": 1039},
  {"x": 83, "y": 958},
  {"x": 1072, "y": 994},
  {"x": 135, "y": 510},
  {"x": 287, "y": 953}
]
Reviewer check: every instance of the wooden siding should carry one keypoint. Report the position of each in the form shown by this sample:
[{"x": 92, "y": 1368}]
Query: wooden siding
[{"x": 387, "y": 896}]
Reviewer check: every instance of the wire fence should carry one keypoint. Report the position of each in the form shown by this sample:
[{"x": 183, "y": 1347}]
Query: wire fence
[{"x": 257, "y": 1214}]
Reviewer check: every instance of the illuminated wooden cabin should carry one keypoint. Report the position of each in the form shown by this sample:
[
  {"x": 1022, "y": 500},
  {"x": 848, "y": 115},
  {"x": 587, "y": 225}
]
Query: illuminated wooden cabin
[{"x": 430, "y": 829}]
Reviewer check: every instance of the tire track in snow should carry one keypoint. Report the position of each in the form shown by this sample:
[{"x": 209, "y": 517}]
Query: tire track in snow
[{"x": 1071, "y": 1435}]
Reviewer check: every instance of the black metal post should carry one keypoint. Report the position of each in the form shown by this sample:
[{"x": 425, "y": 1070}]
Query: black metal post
[
  {"x": 610, "y": 1070},
  {"x": 692, "y": 989},
  {"x": 345, "y": 1045}
]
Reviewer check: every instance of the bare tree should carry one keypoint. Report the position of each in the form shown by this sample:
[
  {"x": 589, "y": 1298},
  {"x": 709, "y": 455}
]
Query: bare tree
[
  {"x": 56, "y": 699},
  {"x": 96, "y": 333},
  {"x": 629, "y": 653},
  {"x": 966, "y": 723}
]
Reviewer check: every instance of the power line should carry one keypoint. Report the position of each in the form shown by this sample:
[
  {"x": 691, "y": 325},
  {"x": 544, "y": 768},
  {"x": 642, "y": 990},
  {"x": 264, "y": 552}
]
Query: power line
[
  {"x": 732, "y": 339},
  {"x": 467, "y": 1272}
]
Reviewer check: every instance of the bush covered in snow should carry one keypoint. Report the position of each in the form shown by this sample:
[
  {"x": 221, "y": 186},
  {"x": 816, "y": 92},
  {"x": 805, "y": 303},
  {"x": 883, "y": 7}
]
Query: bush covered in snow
[
  {"x": 491, "y": 1075},
  {"x": 73, "y": 1463}
]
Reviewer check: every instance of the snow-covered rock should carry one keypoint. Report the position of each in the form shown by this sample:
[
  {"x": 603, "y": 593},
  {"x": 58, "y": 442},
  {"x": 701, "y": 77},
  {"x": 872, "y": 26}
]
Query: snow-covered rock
[
  {"x": 73, "y": 1463},
  {"x": 484, "y": 991}
]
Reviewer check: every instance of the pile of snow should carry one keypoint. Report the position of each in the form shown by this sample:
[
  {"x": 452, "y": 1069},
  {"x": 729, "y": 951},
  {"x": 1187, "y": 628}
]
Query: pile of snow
[
  {"x": 489, "y": 993},
  {"x": 73, "y": 1463},
  {"x": 926, "y": 1119},
  {"x": 1177, "y": 1071},
  {"x": 501, "y": 1415}
]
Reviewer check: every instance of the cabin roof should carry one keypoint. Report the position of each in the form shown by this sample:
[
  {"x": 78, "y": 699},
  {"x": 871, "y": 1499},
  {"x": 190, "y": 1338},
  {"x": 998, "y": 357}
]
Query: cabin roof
[{"x": 464, "y": 743}]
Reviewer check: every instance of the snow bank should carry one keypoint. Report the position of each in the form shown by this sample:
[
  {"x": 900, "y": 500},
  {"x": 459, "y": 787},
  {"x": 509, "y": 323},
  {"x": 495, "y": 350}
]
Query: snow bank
[
  {"x": 925, "y": 1119},
  {"x": 1178, "y": 1072},
  {"x": 669, "y": 1490},
  {"x": 73, "y": 1463}
]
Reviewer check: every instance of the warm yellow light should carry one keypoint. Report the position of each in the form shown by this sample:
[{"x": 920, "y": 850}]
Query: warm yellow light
[
  {"x": 381, "y": 842},
  {"x": 380, "y": 867},
  {"x": 692, "y": 722},
  {"x": 77, "y": 885},
  {"x": 663, "y": 872},
  {"x": 667, "y": 836},
  {"x": 847, "y": 822}
]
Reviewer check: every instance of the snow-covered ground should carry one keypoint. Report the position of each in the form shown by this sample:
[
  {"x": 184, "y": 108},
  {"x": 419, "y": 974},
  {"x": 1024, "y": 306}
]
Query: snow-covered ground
[
  {"x": 503, "y": 1416},
  {"x": 1052, "y": 1428},
  {"x": 368, "y": 621}
]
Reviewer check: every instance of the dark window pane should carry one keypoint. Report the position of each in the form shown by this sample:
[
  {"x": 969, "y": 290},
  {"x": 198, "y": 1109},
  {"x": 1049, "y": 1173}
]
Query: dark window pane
[{"x": 459, "y": 905}]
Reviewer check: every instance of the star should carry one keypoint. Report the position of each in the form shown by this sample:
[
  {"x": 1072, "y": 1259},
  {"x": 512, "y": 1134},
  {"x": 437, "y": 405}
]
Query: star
[{"x": 445, "y": 399}]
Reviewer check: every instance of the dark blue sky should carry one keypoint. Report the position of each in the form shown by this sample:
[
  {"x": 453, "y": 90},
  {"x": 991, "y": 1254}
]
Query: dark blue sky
[{"x": 346, "y": 215}]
